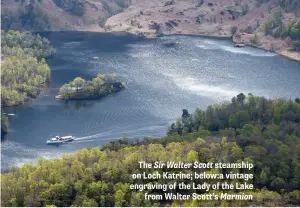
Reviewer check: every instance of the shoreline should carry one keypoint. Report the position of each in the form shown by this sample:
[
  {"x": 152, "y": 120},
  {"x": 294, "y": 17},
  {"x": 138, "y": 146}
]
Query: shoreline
[
  {"x": 290, "y": 55},
  {"x": 60, "y": 97},
  {"x": 28, "y": 99},
  {"x": 294, "y": 56},
  {"x": 286, "y": 54}
]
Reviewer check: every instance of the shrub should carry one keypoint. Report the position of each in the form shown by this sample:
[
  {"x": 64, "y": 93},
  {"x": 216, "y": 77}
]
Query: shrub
[{"x": 233, "y": 30}]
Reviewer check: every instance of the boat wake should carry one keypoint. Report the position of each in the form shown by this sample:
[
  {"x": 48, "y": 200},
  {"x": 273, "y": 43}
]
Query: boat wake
[
  {"x": 93, "y": 136},
  {"x": 247, "y": 51},
  {"x": 215, "y": 45},
  {"x": 80, "y": 141}
]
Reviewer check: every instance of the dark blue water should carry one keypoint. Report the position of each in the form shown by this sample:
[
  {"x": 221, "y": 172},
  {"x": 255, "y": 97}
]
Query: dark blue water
[{"x": 161, "y": 80}]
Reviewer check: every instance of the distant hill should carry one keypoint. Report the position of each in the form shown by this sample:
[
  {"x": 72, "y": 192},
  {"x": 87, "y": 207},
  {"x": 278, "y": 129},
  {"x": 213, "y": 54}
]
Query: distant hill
[
  {"x": 270, "y": 24},
  {"x": 41, "y": 15}
]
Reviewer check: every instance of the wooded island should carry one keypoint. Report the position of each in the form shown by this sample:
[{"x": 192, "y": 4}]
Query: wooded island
[{"x": 81, "y": 89}]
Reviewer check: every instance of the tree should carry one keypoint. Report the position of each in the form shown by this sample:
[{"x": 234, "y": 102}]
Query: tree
[
  {"x": 296, "y": 46},
  {"x": 185, "y": 113},
  {"x": 277, "y": 183},
  {"x": 89, "y": 203},
  {"x": 254, "y": 39},
  {"x": 267, "y": 26},
  {"x": 136, "y": 199},
  {"x": 65, "y": 91},
  {"x": 4, "y": 124},
  {"x": 119, "y": 198},
  {"x": 192, "y": 156},
  {"x": 98, "y": 81},
  {"x": 101, "y": 176},
  {"x": 78, "y": 81},
  {"x": 240, "y": 98},
  {"x": 295, "y": 33},
  {"x": 239, "y": 119},
  {"x": 245, "y": 9},
  {"x": 233, "y": 30},
  {"x": 263, "y": 178},
  {"x": 237, "y": 152}
]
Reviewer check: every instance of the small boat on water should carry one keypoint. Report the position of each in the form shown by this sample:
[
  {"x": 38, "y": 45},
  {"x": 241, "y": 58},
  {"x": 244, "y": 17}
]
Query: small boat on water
[{"x": 60, "y": 140}]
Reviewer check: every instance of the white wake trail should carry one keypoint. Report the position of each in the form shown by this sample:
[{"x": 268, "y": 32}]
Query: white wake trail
[{"x": 93, "y": 136}]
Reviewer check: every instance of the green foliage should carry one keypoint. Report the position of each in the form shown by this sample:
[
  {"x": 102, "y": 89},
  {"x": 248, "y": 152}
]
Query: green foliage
[
  {"x": 32, "y": 45},
  {"x": 28, "y": 17},
  {"x": 101, "y": 177},
  {"x": 4, "y": 124},
  {"x": 254, "y": 40},
  {"x": 75, "y": 7},
  {"x": 276, "y": 28},
  {"x": 240, "y": 111},
  {"x": 98, "y": 87},
  {"x": 295, "y": 32},
  {"x": 245, "y": 9},
  {"x": 290, "y": 5},
  {"x": 238, "y": 119},
  {"x": 24, "y": 69},
  {"x": 296, "y": 47},
  {"x": 97, "y": 177},
  {"x": 233, "y": 30}
]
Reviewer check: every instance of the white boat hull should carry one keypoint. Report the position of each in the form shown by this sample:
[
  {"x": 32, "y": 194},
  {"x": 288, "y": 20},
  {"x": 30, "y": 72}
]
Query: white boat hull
[{"x": 61, "y": 140}]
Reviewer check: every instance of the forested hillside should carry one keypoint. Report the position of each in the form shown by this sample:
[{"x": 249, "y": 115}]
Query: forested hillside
[
  {"x": 23, "y": 68},
  {"x": 242, "y": 110},
  {"x": 263, "y": 131}
]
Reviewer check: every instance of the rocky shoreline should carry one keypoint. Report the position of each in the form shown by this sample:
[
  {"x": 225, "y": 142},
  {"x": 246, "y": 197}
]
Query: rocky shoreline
[
  {"x": 290, "y": 55},
  {"x": 285, "y": 53},
  {"x": 222, "y": 19},
  {"x": 267, "y": 46}
]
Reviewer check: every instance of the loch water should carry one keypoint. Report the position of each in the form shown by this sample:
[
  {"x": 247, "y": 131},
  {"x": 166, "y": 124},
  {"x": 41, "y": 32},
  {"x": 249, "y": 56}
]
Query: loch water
[{"x": 163, "y": 75}]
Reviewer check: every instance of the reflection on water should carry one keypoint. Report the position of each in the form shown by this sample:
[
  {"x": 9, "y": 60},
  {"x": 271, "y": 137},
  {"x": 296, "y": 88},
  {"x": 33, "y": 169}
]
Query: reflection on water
[
  {"x": 76, "y": 104},
  {"x": 160, "y": 82}
]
